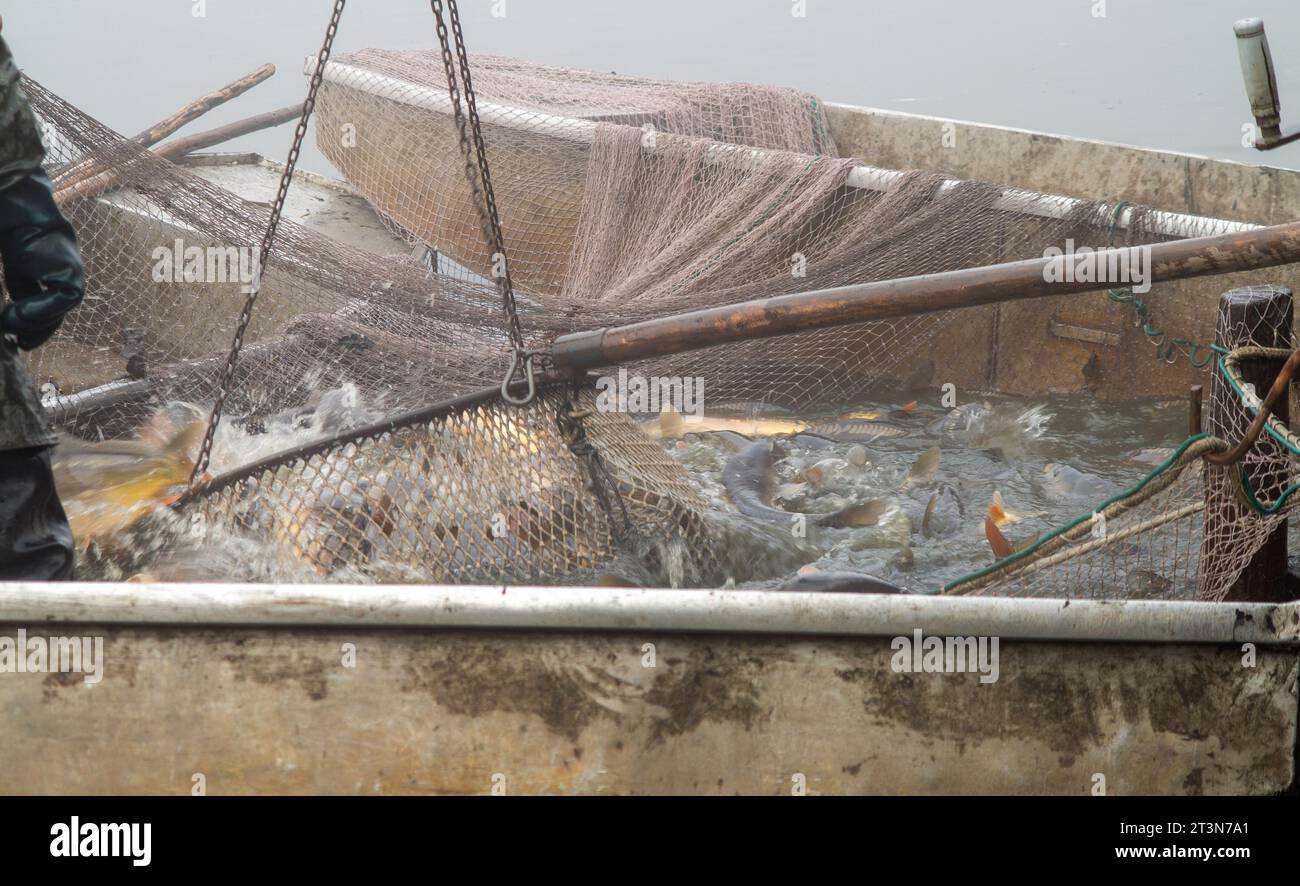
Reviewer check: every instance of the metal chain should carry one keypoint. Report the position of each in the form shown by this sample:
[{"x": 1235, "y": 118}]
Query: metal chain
[
  {"x": 570, "y": 422},
  {"x": 1167, "y": 349},
  {"x": 268, "y": 239},
  {"x": 479, "y": 175}
]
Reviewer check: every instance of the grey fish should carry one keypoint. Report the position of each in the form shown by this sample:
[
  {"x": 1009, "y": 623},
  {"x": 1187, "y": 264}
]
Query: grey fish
[
  {"x": 960, "y": 419},
  {"x": 748, "y": 409},
  {"x": 857, "y": 430},
  {"x": 813, "y": 442},
  {"x": 944, "y": 513},
  {"x": 1066, "y": 480},
  {"x": 841, "y": 582},
  {"x": 748, "y": 477}
]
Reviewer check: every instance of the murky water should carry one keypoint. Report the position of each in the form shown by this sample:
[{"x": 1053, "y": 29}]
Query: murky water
[{"x": 1050, "y": 461}]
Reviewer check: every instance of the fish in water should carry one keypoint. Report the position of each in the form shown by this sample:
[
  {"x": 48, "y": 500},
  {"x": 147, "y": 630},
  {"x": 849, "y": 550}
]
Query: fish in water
[
  {"x": 749, "y": 479},
  {"x": 831, "y": 473},
  {"x": 1002, "y": 548},
  {"x": 857, "y": 430},
  {"x": 1002, "y": 516},
  {"x": 671, "y": 424},
  {"x": 960, "y": 419},
  {"x": 1062, "y": 479},
  {"x": 923, "y": 469},
  {"x": 943, "y": 513},
  {"x": 107, "y": 487},
  {"x": 840, "y": 582},
  {"x": 1157, "y": 456}
]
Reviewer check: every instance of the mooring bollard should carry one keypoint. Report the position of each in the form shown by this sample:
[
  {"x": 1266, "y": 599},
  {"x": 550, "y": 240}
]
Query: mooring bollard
[{"x": 1254, "y": 315}]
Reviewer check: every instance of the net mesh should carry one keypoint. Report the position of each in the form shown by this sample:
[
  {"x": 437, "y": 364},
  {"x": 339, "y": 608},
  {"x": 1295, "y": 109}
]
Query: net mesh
[{"x": 621, "y": 199}]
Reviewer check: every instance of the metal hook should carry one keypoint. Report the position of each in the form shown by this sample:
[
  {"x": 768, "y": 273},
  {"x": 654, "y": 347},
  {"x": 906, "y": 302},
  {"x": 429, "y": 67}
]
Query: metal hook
[{"x": 510, "y": 376}]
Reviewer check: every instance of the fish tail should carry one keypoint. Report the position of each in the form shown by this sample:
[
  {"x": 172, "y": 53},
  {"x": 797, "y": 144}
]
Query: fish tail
[{"x": 867, "y": 514}]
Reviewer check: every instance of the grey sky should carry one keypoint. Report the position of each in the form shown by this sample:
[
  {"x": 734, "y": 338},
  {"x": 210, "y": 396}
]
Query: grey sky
[{"x": 1158, "y": 73}]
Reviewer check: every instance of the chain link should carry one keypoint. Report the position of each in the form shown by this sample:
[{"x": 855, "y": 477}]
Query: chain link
[
  {"x": 1167, "y": 349},
  {"x": 268, "y": 239},
  {"x": 479, "y": 175}
]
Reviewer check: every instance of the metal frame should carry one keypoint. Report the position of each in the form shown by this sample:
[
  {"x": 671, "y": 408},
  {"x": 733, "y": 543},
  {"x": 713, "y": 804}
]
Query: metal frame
[{"x": 526, "y": 608}]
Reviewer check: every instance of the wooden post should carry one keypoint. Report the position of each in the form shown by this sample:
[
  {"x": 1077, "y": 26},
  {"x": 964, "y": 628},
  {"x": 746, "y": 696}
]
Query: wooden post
[
  {"x": 1196, "y": 397},
  {"x": 1254, "y": 315}
]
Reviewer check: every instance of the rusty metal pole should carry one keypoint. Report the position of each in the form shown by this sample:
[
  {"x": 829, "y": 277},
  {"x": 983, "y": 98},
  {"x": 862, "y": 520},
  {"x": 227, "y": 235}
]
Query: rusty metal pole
[
  {"x": 1255, "y": 315},
  {"x": 908, "y": 296}
]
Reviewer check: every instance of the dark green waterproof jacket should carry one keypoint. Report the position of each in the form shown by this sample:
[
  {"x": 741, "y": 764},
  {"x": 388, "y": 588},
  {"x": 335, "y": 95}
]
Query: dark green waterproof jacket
[{"x": 43, "y": 277}]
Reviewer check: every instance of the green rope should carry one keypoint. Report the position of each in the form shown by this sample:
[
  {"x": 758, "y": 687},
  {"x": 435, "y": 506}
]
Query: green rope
[
  {"x": 1167, "y": 349},
  {"x": 1247, "y": 487},
  {"x": 1120, "y": 496}
]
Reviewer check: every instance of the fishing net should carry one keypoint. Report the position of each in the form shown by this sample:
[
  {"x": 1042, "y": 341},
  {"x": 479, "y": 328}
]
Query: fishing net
[
  {"x": 621, "y": 199},
  {"x": 1188, "y": 530}
]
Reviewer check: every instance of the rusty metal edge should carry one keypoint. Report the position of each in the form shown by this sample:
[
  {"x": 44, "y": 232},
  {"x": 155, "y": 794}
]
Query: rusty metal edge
[{"x": 674, "y": 611}]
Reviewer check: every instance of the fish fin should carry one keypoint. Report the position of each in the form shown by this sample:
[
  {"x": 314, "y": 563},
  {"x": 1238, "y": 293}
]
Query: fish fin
[
  {"x": 999, "y": 514},
  {"x": 610, "y": 580},
  {"x": 1029, "y": 542},
  {"x": 867, "y": 514},
  {"x": 671, "y": 423},
  {"x": 929, "y": 512},
  {"x": 997, "y": 541},
  {"x": 908, "y": 407},
  {"x": 924, "y": 468}
]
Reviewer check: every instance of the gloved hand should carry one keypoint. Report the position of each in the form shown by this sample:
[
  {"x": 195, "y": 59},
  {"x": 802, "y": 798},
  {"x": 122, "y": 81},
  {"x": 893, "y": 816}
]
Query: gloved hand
[{"x": 42, "y": 265}]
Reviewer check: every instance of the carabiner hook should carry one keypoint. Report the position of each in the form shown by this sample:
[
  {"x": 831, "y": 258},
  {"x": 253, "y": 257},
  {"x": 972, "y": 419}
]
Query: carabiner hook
[{"x": 510, "y": 376}]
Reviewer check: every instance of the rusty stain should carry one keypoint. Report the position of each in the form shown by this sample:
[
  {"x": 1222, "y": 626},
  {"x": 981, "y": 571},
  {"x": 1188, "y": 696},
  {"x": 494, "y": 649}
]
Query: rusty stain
[
  {"x": 713, "y": 684},
  {"x": 479, "y": 679},
  {"x": 271, "y": 668}
]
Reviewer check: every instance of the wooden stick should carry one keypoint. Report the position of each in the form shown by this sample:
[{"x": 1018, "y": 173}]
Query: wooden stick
[
  {"x": 178, "y": 148},
  {"x": 201, "y": 106},
  {"x": 175, "y": 150},
  {"x": 888, "y": 299},
  {"x": 66, "y": 186}
]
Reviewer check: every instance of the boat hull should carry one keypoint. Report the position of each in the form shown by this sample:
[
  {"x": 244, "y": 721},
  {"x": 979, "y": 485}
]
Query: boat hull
[{"x": 530, "y": 696}]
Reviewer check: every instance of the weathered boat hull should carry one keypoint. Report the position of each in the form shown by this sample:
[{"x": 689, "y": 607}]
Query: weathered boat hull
[
  {"x": 1053, "y": 345},
  {"x": 551, "y": 690}
]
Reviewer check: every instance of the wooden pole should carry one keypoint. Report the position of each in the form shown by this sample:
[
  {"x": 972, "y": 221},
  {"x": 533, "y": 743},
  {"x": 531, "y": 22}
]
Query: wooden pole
[
  {"x": 200, "y": 106},
  {"x": 178, "y": 148},
  {"x": 846, "y": 305},
  {"x": 1256, "y": 315},
  {"x": 74, "y": 183},
  {"x": 1196, "y": 397}
]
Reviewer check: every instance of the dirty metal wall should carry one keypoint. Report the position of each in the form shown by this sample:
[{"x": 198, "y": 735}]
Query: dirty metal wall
[
  {"x": 425, "y": 711},
  {"x": 1118, "y": 363}
]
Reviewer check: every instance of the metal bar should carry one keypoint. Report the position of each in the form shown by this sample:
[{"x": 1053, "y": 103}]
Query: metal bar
[
  {"x": 615, "y": 609},
  {"x": 871, "y": 178},
  {"x": 908, "y": 296}
]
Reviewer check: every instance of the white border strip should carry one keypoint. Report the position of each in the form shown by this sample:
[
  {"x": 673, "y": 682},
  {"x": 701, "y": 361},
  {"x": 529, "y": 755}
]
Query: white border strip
[{"x": 615, "y": 609}]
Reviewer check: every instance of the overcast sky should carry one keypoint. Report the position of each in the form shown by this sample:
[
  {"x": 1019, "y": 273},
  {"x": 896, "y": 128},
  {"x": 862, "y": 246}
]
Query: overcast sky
[{"x": 1158, "y": 73}]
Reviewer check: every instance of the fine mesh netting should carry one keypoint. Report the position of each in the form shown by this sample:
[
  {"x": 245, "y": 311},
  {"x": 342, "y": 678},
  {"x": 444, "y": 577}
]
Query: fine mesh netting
[
  {"x": 621, "y": 199},
  {"x": 1187, "y": 530}
]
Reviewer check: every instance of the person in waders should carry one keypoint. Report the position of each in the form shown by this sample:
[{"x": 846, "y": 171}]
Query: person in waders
[{"x": 43, "y": 279}]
